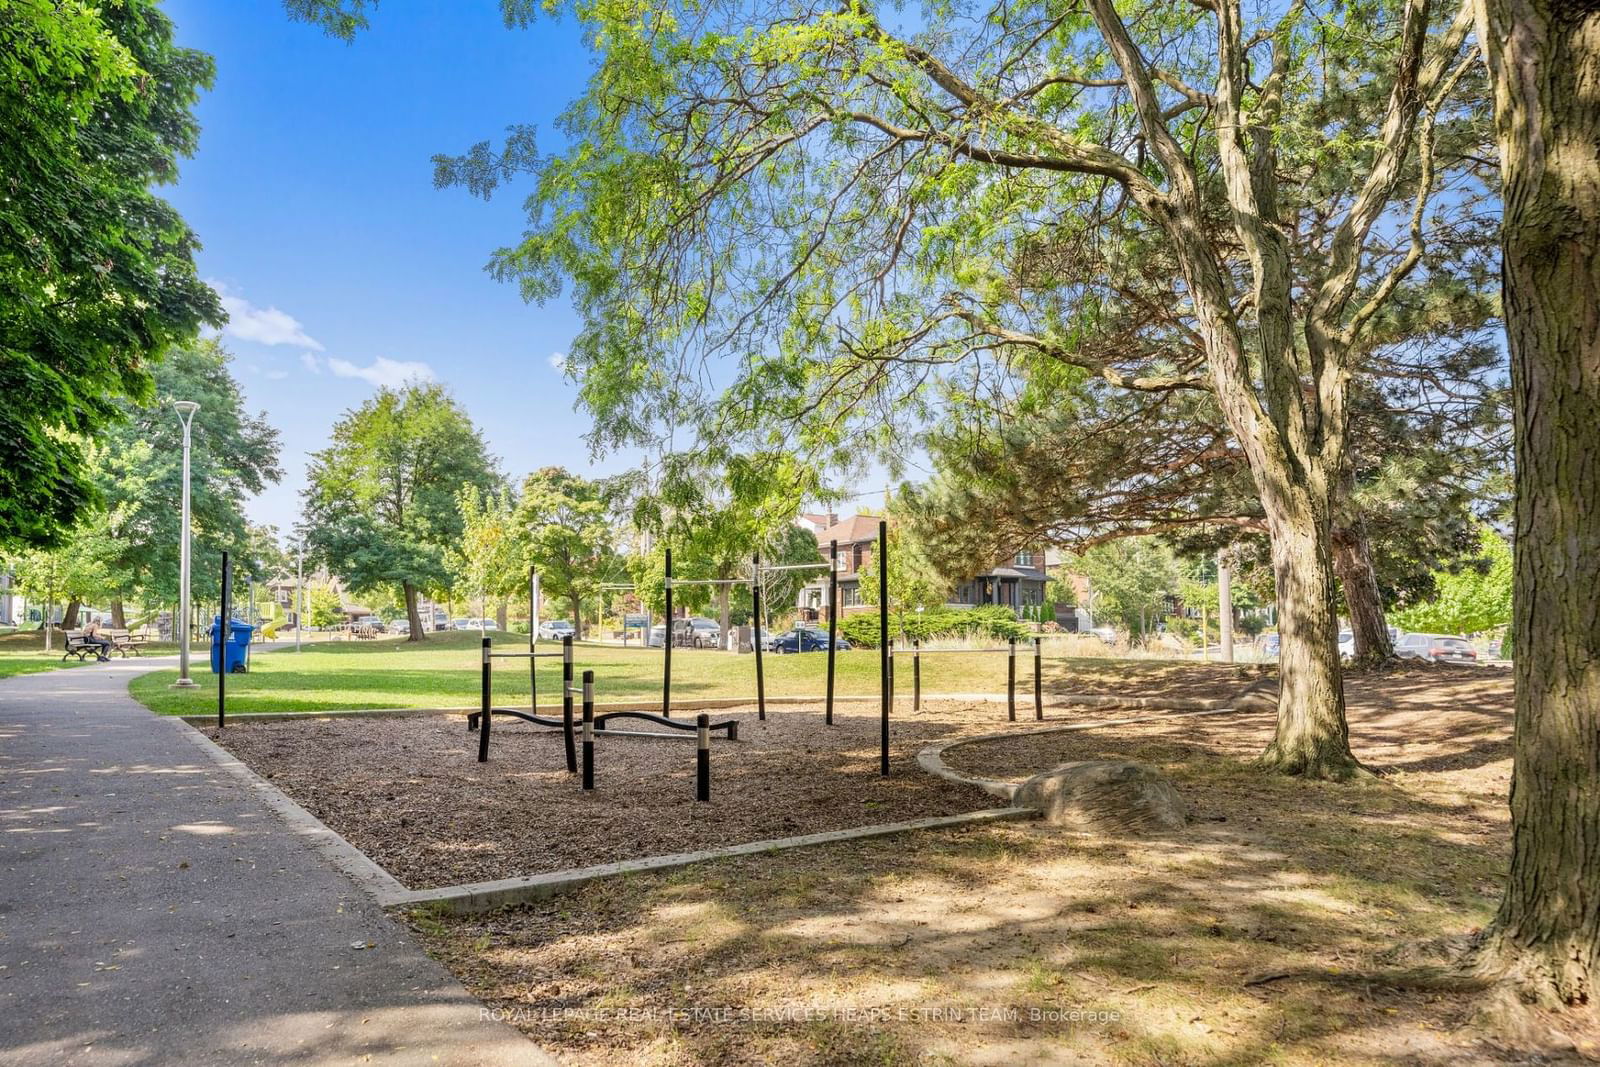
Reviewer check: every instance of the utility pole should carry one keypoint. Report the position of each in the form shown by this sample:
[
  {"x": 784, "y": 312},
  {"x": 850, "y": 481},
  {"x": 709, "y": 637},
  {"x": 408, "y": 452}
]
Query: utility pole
[
  {"x": 299, "y": 593},
  {"x": 186, "y": 410}
]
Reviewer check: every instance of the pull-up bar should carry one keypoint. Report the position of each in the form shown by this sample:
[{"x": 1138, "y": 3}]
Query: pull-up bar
[{"x": 917, "y": 652}]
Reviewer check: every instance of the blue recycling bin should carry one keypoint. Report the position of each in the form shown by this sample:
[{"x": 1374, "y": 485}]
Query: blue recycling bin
[{"x": 238, "y": 648}]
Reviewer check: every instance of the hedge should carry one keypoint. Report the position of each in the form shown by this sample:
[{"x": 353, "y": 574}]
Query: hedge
[{"x": 991, "y": 620}]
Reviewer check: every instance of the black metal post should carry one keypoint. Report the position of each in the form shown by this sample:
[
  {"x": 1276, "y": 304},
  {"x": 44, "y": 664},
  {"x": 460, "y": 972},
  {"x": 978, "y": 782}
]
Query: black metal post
[
  {"x": 755, "y": 619},
  {"x": 833, "y": 622},
  {"x": 588, "y": 729},
  {"x": 1038, "y": 684},
  {"x": 566, "y": 703},
  {"x": 883, "y": 645},
  {"x": 702, "y": 789},
  {"x": 1011, "y": 682},
  {"x": 533, "y": 635},
  {"x": 666, "y": 648},
  {"x": 916, "y": 675},
  {"x": 222, "y": 636},
  {"x": 483, "y": 704}
]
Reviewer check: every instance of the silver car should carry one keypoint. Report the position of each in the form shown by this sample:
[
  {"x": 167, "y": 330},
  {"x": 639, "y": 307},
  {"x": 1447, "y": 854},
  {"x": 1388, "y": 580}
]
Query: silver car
[{"x": 1435, "y": 648}]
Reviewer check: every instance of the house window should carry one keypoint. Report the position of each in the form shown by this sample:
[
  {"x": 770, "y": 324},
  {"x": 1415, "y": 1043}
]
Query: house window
[
  {"x": 1025, "y": 558},
  {"x": 849, "y": 596}
]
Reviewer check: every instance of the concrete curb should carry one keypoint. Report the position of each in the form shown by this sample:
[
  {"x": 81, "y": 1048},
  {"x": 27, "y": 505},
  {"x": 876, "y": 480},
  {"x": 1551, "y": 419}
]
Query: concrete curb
[
  {"x": 486, "y": 896},
  {"x": 931, "y": 759},
  {"x": 349, "y": 860}
]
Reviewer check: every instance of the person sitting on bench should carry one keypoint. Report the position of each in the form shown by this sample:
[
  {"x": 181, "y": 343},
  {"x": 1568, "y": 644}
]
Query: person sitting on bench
[{"x": 91, "y": 636}]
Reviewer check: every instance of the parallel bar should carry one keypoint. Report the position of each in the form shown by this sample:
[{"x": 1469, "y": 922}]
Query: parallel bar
[
  {"x": 526, "y": 655},
  {"x": 833, "y": 623},
  {"x": 1011, "y": 683},
  {"x": 485, "y": 710},
  {"x": 588, "y": 730},
  {"x": 916, "y": 676},
  {"x": 1038, "y": 684},
  {"x": 566, "y": 703},
  {"x": 702, "y": 789},
  {"x": 958, "y": 651},
  {"x": 666, "y": 648},
  {"x": 222, "y": 636},
  {"x": 791, "y": 567},
  {"x": 883, "y": 646},
  {"x": 755, "y": 617}
]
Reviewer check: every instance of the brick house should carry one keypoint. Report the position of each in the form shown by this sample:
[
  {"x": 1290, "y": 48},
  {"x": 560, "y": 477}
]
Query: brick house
[{"x": 1017, "y": 581}]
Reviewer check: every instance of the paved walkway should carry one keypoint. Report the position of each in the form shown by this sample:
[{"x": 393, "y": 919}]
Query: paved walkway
[{"x": 154, "y": 911}]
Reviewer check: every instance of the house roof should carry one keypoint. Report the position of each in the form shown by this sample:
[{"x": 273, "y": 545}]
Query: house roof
[{"x": 855, "y": 528}]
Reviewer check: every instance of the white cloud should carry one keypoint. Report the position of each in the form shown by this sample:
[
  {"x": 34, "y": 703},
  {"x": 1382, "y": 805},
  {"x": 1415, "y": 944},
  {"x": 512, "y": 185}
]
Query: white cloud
[
  {"x": 392, "y": 373},
  {"x": 311, "y": 362},
  {"x": 267, "y": 326},
  {"x": 277, "y": 374},
  {"x": 558, "y": 361}
]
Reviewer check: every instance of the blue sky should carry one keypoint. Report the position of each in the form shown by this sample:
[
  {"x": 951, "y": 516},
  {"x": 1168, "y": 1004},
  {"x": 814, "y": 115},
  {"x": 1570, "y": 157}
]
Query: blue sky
[{"x": 340, "y": 263}]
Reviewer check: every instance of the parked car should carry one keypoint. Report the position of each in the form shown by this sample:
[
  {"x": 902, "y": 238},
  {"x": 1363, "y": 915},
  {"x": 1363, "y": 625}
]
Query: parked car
[
  {"x": 556, "y": 629},
  {"x": 372, "y": 622},
  {"x": 400, "y": 626},
  {"x": 473, "y": 624},
  {"x": 805, "y": 639},
  {"x": 658, "y": 635},
  {"x": 1347, "y": 645},
  {"x": 1104, "y": 633},
  {"x": 704, "y": 633},
  {"x": 1435, "y": 648},
  {"x": 441, "y": 620},
  {"x": 1268, "y": 645}
]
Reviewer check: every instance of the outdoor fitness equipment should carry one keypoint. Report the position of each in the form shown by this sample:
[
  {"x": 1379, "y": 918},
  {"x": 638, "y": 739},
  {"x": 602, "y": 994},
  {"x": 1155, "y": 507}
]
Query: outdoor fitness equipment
[
  {"x": 917, "y": 652},
  {"x": 482, "y": 719}
]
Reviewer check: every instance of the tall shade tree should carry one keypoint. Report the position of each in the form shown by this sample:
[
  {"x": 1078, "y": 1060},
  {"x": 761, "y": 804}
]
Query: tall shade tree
[
  {"x": 138, "y": 470},
  {"x": 1544, "y": 63},
  {"x": 486, "y": 563},
  {"x": 830, "y": 210},
  {"x": 568, "y": 530},
  {"x": 381, "y": 499},
  {"x": 97, "y": 274}
]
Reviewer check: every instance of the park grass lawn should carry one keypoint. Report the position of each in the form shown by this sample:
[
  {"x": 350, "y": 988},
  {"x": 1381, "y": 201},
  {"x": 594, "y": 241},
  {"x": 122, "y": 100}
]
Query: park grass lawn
[
  {"x": 22, "y": 652},
  {"x": 1284, "y": 926},
  {"x": 443, "y": 671}
]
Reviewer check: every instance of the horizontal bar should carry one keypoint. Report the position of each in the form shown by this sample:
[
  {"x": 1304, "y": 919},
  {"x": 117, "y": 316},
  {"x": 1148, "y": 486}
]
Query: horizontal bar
[
  {"x": 616, "y": 585},
  {"x": 525, "y": 655},
  {"x": 797, "y": 567},
  {"x": 672, "y": 582}
]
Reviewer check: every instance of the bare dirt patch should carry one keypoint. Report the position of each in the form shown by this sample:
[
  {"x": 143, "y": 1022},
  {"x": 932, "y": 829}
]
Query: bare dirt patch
[{"x": 410, "y": 793}]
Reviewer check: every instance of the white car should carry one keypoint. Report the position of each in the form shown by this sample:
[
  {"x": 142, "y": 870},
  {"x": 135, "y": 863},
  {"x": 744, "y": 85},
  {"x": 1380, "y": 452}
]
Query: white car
[
  {"x": 556, "y": 629},
  {"x": 707, "y": 634},
  {"x": 1435, "y": 648}
]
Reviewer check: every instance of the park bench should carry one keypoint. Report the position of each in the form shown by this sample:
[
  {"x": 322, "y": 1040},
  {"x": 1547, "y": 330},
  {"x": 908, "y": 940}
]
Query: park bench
[
  {"x": 126, "y": 641},
  {"x": 79, "y": 644}
]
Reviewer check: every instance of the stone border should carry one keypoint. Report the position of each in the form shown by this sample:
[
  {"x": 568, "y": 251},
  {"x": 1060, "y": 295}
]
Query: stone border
[
  {"x": 486, "y": 896},
  {"x": 377, "y": 882},
  {"x": 931, "y": 759}
]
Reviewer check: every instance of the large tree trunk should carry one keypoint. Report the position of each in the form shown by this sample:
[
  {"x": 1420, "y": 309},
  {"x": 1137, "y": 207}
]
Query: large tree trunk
[
  {"x": 577, "y": 616},
  {"x": 413, "y": 616},
  {"x": 1352, "y": 562},
  {"x": 1544, "y": 62},
  {"x": 119, "y": 616},
  {"x": 500, "y": 615},
  {"x": 1312, "y": 738},
  {"x": 69, "y": 618}
]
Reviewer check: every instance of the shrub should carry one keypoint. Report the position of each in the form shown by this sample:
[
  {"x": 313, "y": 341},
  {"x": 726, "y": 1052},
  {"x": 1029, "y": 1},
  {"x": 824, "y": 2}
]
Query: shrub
[{"x": 991, "y": 620}]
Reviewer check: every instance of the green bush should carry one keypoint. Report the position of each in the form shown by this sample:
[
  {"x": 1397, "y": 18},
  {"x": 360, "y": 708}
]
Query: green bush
[{"x": 991, "y": 620}]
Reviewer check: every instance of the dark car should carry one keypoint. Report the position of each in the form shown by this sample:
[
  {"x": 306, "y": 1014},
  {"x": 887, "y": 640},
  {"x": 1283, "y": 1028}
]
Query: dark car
[
  {"x": 805, "y": 639},
  {"x": 1435, "y": 648}
]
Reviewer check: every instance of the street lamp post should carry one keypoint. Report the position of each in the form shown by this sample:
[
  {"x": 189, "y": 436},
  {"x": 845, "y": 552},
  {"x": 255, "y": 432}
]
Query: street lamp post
[
  {"x": 186, "y": 410},
  {"x": 299, "y": 593}
]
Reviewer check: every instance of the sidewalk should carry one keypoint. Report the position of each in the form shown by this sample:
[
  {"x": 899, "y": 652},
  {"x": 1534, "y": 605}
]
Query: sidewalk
[{"x": 153, "y": 911}]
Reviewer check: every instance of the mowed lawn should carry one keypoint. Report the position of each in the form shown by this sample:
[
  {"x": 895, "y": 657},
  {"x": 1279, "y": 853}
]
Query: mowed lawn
[
  {"x": 443, "y": 671},
  {"x": 23, "y": 652}
]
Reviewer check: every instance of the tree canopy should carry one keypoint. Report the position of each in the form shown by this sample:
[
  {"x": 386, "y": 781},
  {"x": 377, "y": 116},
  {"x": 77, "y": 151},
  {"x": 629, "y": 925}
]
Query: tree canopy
[
  {"x": 381, "y": 500},
  {"x": 97, "y": 274}
]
